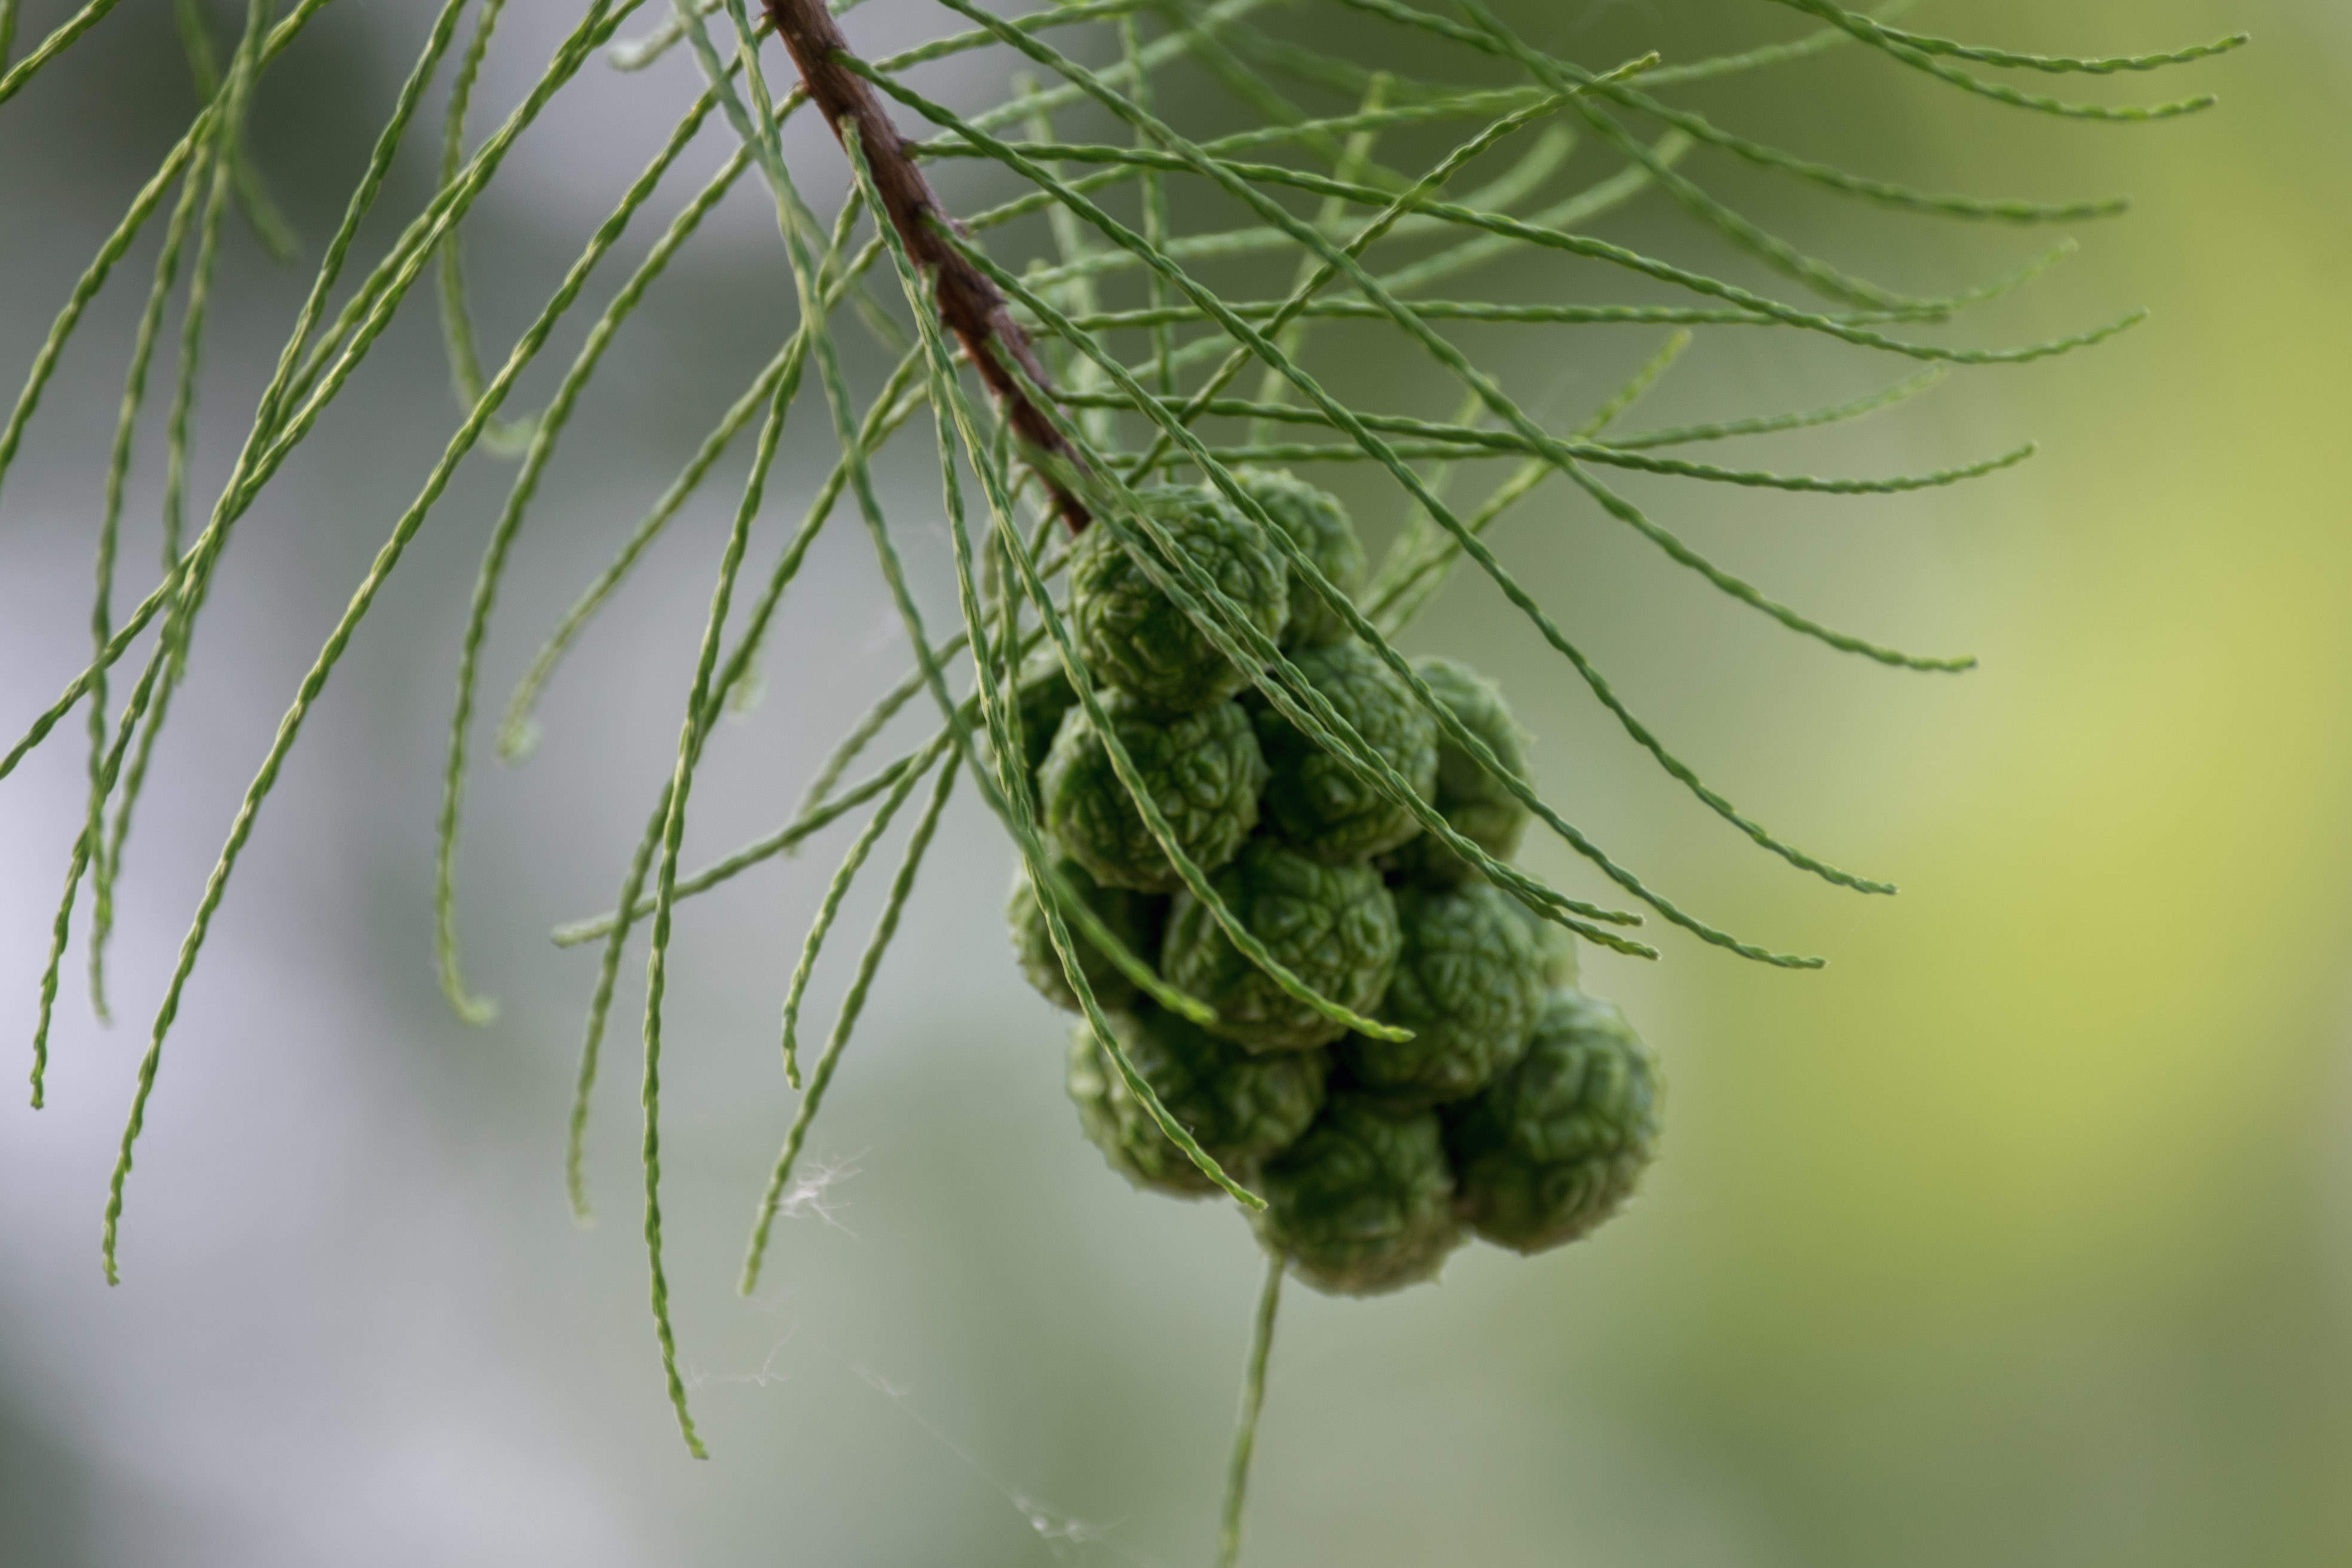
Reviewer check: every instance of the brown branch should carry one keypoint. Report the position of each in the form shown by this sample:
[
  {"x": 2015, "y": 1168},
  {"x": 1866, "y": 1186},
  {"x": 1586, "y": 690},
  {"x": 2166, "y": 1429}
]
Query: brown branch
[{"x": 969, "y": 302}]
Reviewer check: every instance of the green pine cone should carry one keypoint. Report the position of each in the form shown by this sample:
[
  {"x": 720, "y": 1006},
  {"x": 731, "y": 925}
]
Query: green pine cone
[
  {"x": 1086, "y": 1078},
  {"x": 1557, "y": 1145},
  {"x": 1315, "y": 800},
  {"x": 1319, "y": 525},
  {"x": 1363, "y": 1204},
  {"x": 1243, "y": 1108},
  {"x": 1473, "y": 803},
  {"x": 1555, "y": 950},
  {"x": 1043, "y": 696},
  {"x": 1134, "y": 637},
  {"x": 1135, "y": 918},
  {"x": 1468, "y": 983},
  {"x": 1204, "y": 771},
  {"x": 1334, "y": 927}
]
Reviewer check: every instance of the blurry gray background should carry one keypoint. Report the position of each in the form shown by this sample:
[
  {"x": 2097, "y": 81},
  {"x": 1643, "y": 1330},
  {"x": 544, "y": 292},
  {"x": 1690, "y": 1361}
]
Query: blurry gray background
[{"x": 2023, "y": 1234}]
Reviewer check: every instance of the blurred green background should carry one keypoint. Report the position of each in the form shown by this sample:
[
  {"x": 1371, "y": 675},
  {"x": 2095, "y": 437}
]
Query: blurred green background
[{"x": 2022, "y": 1234}]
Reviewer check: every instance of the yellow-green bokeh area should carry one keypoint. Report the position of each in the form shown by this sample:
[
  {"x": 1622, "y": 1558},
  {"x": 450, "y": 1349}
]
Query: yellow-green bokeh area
[{"x": 2020, "y": 1235}]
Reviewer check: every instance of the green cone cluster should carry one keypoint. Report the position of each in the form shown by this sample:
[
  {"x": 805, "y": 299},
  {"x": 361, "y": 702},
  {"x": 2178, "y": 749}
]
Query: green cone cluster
[{"x": 1519, "y": 1111}]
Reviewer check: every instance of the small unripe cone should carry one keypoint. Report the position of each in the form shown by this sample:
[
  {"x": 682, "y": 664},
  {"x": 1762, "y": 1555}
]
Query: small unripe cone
[
  {"x": 1043, "y": 696},
  {"x": 1315, "y": 521},
  {"x": 1136, "y": 918},
  {"x": 1318, "y": 802},
  {"x": 1557, "y": 1143},
  {"x": 1473, "y": 803},
  {"x": 1135, "y": 637},
  {"x": 1333, "y": 926},
  {"x": 1203, "y": 770},
  {"x": 1364, "y": 1203},
  {"x": 1468, "y": 983},
  {"x": 1241, "y": 1108},
  {"x": 1556, "y": 964}
]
